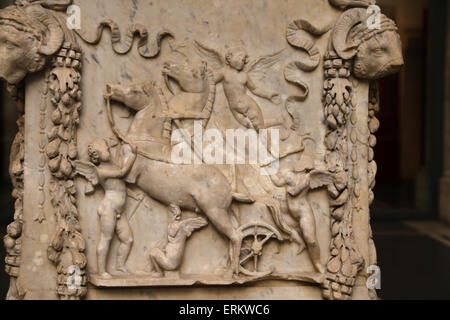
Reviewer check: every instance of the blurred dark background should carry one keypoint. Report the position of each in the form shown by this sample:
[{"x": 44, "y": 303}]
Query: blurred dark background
[{"x": 411, "y": 213}]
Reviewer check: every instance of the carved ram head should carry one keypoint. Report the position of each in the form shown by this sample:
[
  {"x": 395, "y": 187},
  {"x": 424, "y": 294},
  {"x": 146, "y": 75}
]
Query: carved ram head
[
  {"x": 28, "y": 35},
  {"x": 376, "y": 51}
]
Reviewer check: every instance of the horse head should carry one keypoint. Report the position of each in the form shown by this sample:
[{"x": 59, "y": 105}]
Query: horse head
[{"x": 192, "y": 79}]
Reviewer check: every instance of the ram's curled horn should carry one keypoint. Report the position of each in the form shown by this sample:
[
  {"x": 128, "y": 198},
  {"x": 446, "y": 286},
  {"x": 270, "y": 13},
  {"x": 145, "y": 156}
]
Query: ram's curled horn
[
  {"x": 58, "y": 5},
  {"x": 53, "y": 33},
  {"x": 123, "y": 47},
  {"x": 345, "y": 4},
  {"x": 297, "y": 36},
  {"x": 345, "y": 46}
]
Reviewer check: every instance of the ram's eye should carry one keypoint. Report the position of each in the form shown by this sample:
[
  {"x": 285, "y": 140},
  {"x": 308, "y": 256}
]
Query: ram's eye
[
  {"x": 378, "y": 50},
  {"x": 10, "y": 45}
]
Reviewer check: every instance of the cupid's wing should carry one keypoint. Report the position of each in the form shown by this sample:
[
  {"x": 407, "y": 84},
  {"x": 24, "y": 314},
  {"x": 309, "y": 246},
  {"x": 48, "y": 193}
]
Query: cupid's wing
[
  {"x": 190, "y": 225},
  {"x": 319, "y": 179},
  {"x": 87, "y": 170},
  {"x": 257, "y": 70},
  {"x": 212, "y": 57}
]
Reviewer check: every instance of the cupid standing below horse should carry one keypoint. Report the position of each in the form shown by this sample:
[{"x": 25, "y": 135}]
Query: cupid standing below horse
[{"x": 198, "y": 188}]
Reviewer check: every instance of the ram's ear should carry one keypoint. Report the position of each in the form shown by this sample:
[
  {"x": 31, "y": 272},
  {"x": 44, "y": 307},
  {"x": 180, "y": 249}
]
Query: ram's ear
[
  {"x": 37, "y": 64},
  {"x": 345, "y": 45}
]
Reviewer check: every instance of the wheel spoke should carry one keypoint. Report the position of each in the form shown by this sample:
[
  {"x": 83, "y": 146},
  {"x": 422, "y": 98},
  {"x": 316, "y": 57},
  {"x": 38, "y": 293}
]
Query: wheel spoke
[
  {"x": 244, "y": 260},
  {"x": 261, "y": 234},
  {"x": 267, "y": 238}
]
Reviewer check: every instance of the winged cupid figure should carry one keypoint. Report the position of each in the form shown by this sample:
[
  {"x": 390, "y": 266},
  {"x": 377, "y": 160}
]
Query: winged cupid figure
[
  {"x": 298, "y": 185},
  {"x": 102, "y": 170},
  {"x": 237, "y": 75},
  {"x": 170, "y": 257}
]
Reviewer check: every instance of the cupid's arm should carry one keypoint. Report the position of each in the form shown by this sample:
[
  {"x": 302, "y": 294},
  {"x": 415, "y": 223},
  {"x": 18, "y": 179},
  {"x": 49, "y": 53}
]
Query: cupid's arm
[
  {"x": 278, "y": 181},
  {"x": 136, "y": 96},
  {"x": 219, "y": 76},
  {"x": 128, "y": 155}
]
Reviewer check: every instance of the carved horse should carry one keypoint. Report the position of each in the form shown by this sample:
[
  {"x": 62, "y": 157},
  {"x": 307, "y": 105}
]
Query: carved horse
[{"x": 200, "y": 188}]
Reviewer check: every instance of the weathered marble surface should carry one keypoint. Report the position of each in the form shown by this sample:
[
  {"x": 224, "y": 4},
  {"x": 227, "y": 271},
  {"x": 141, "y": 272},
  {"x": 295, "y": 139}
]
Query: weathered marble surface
[{"x": 260, "y": 27}]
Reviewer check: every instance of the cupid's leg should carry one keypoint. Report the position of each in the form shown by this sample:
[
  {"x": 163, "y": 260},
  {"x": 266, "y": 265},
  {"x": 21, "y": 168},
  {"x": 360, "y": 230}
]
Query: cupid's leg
[
  {"x": 243, "y": 120},
  {"x": 308, "y": 227},
  {"x": 301, "y": 210},
  {"x": 107, "y": 225},
  {"x": 156, "y": 256},
  {"x": 255, "y": 115},
  {"x": 125, "y": 236}
]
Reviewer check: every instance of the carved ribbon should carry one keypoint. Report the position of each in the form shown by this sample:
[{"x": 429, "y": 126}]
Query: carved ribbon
[
  {"x": 297, "y": 35},
  {"x": 124, "y": 47}
]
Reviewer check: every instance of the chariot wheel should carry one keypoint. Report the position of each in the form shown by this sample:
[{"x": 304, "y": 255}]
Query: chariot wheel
[{"x": 254, "y": 236}]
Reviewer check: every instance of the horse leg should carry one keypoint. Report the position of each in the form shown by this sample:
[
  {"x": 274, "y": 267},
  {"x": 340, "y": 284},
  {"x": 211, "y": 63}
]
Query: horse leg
[{"x": 221, "y": 220}]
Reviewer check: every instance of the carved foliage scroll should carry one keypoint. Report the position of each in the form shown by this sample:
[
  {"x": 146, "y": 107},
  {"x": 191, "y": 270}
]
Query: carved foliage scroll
[
  {"x": 355, "y": 51},
  {"x": 67, "y": 245},
  {"x": 345, "y": 261}
]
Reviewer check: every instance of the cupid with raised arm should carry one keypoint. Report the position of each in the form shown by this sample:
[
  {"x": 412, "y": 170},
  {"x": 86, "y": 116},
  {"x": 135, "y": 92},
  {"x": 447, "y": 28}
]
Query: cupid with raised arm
[
  {"x": 110, "y": 175},
  {"x": 236, "y": 78}
]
